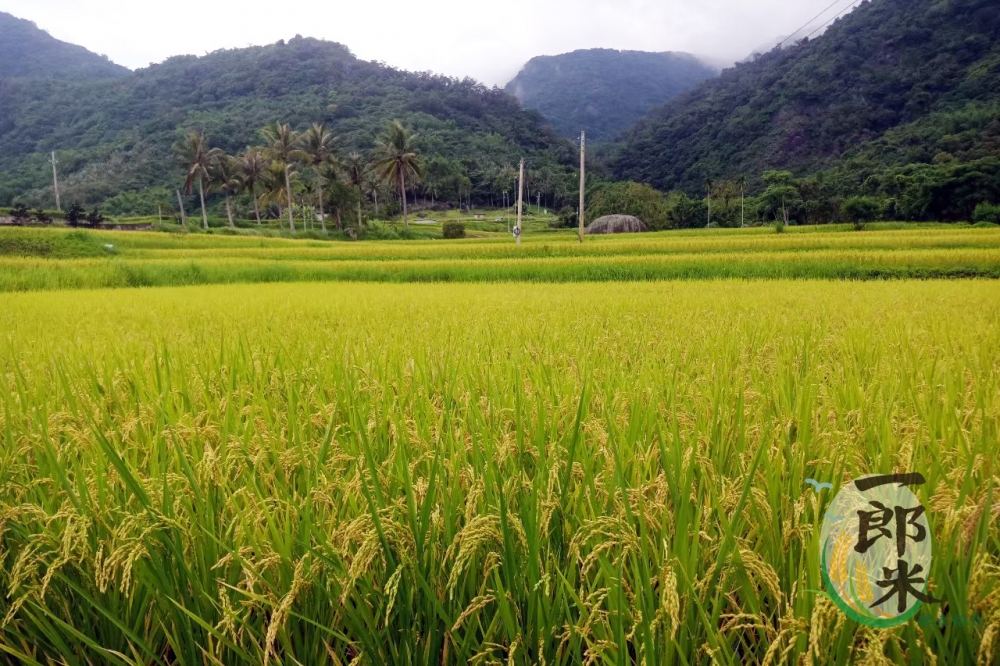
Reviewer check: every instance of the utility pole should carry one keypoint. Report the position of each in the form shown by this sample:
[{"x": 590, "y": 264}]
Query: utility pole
[
  {"x": 583, "y": 182},
  {"x": 180, "y": 203},
  {"x": 55, "y": 181},
  {"x": 520, "y": 201}
]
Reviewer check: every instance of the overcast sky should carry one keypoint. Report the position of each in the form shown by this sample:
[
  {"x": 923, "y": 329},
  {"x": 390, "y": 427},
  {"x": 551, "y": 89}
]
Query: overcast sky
[{"x": 489, "y": 41}]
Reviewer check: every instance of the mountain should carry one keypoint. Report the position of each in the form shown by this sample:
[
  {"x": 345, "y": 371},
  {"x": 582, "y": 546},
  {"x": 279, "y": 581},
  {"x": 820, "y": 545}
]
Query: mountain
[
  {"x": 115, "y": 137},
  {"x": 32, "y": 53},
  {"x": 604, "y": 91},
  {"x": 894, "y": 84}
]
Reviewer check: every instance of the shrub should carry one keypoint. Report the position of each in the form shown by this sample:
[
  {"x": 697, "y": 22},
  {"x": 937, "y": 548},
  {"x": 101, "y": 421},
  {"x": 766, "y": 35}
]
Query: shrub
[
  {"x": 453, "y": 230},
  {"x": 987, "y": 213},
  {"x": 568, "y": 217},
  {"x": 41, "y": 216},
  {"x": 74, "y": 215},
  {"x": 20, "y": 215},
  {"x": 94, "y": 218},
  {"x": 862, "y": 210}
]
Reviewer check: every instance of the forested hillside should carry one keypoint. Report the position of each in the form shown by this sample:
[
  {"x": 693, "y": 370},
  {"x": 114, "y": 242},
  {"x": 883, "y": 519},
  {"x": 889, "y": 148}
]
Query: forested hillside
[
  {"x": 117, "y": 136},
  {"x": 894, "y": 85},
  {"x": 604, "y": 91},
  {"x": 26, "y": 51}
]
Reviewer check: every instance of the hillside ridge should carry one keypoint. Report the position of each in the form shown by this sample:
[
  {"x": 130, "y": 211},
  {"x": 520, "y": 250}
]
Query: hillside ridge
[
  {"x": 30, "y": 52},
  {"x": 604, "y": 91}
]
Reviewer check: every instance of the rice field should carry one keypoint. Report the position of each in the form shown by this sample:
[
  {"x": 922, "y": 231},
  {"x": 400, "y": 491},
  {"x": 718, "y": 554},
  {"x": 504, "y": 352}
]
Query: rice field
[
  {"x": 44, "y": 259},
  {"x": 513, "y": 473}
]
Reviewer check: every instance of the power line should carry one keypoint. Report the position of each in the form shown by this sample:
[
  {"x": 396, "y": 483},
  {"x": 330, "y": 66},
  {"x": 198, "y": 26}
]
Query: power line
[
  {"x": 809, "y": 22},
  {"x": 849, "y": 8}
]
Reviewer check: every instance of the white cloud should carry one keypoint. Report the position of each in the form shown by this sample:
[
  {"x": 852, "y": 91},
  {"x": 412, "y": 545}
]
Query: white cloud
[{"x": 486, "y": 40}]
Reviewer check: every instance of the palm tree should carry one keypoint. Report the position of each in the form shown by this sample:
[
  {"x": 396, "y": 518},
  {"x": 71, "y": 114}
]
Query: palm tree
[
  {"x": 281, "y": 146},
  {"x": 709, "y": 184},
  {"x": 507, "y": 176},
  {"x": 198, "y": 158},
  {"x": 307, "y": 190},
  {"x": 743, "y": 184},
  {"x": 357, "y": 173},
  {"x": 252, "y": 165},
  {"x": 396, "y": 158},
  {"x": 278, "y": 188},
  {"x": 373, "y": 186},
  {"x": 224, "y": 176},
  {"x": 317, "y": 146}
]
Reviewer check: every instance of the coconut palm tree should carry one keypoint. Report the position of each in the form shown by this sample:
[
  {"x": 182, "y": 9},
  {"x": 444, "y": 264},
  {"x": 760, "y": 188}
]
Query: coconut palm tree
[
  {"x": 224, "y": 176},
  {"x": 507, "y": 177},
  {"x": 197, "y": 157},
  {"x": 396, "y": 159},
  {"x": 743, "y": 184},
  {"x": 252, "y": 165},
  {"x": 317, "y": 146},
  {"x": 278, "y": 189},
  {"x": 356, "y": 171},
  {"x": 282, "y": 147},
  {"x": 373, "y": 187}
]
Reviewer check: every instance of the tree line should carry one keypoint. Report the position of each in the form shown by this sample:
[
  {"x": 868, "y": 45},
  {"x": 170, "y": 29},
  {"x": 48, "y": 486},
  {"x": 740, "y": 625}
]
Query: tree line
[
  {"x": 919, "y": 192},
  {"x": 303, "y": 176},
  {"x": 292, "y": 169}
]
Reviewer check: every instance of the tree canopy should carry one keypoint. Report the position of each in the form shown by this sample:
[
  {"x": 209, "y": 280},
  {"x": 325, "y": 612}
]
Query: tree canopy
[
  {"x": 893, "y": 84},
  {"x": 115, "y": 136}
]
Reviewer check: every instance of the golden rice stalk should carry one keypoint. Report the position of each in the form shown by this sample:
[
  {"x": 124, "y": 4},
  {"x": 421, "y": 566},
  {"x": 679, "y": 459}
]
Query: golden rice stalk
[
  {"x": 873, "y": 648},
  {"x": 391, "y": 589},
  {"x": 299, "y": 580},
  {"x": 838, "y": 563},
  {"x": 474, "y": 607},
  {"x": 862, "y": 584},
  {"x": 986, "y": 647}
]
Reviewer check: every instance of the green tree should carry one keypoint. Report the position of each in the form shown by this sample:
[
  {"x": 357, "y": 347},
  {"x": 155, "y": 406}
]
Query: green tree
[
  {"x": 282, "y": 147},
  {"x": 225, "y": 177},
  {"x": 986, "y": 213},
  {"x": 317, "y": 146},
  {"x": 74, "y": 215},
  {"x": 341, "y": 197},
  {"x": 252, "y": 164},
  {"x": 781, "y": 195},
  {"x": 194, "y": 153},
  {"x": 683, "y": 212},
  {"x": 42, "y": 216},
  {"x": 356, "y": 170},
  {"x": 94, "y": 218},
  {"x": 861, "y": 210},
  {"x": 396, "y": 159},
  {"x": 742, "y": 183},
  {"x": 507, "y": 177},
  {"x": 19, "y": 215},
  {"x": 276, "y": 183},
  {"x": 635, "y": 199}
]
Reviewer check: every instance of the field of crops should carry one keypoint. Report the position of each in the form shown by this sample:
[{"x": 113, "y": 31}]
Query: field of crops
[
  {"x": 515, "y": 473},
  {"x": 39, "y": 259}
]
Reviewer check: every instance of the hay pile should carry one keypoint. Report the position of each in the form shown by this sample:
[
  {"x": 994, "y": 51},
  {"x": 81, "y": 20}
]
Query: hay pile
[{"x": 616, "y": 224}]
